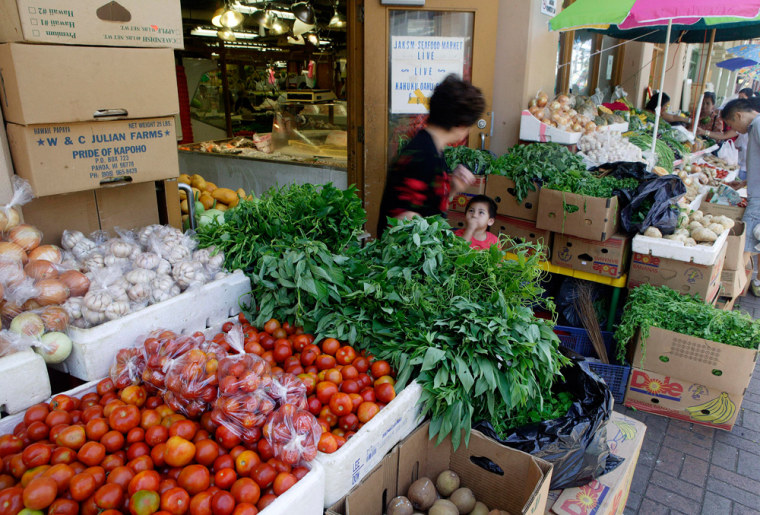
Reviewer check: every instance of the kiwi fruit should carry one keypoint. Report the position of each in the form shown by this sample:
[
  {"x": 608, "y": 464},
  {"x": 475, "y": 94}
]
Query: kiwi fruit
[
  {"x": 443, "y": 507},
  {"x": 463, "y": 499},
  {"x": 422, "y": 493},
  {"x": 447, "y": 482},
  {"x": 400, "y": 506},
  {"x": 479, "y": 509}
]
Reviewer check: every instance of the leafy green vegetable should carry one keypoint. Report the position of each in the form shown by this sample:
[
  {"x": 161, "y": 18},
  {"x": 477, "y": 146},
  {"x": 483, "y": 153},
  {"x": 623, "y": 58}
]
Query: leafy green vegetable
[
  {"x": 535, "y": 163},
  {"x": 280, "y": 217},
  {"x": 665, "y": 156},
  {"x": 586, "y": 183},
  {"x": 651, "y": 306},
  {"x": 555, "y": 407},
  {"x": 477, "y": 161}
]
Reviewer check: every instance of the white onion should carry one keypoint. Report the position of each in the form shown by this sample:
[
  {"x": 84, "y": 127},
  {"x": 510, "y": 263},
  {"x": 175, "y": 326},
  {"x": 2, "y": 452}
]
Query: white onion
[
  {"x": 55, "y": 347},
  {"x": 29, "y": 324}
]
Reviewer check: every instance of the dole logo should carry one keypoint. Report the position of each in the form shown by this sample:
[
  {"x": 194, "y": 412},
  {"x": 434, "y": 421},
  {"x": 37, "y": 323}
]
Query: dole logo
[{"x": 662, "y": 388}]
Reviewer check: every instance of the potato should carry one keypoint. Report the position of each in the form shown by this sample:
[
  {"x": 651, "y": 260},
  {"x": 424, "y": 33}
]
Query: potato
[
  {"x": 694, "y": 226},
  {"x": 716, "y": 228},
  {"x": 703, "y": 235}
]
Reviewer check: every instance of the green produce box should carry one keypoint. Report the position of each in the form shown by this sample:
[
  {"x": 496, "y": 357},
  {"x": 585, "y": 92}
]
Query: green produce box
[{"x": 523, "y": 488}]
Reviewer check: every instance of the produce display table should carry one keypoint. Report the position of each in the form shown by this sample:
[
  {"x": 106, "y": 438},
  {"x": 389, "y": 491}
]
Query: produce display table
[{"x": 617, "y": 284}]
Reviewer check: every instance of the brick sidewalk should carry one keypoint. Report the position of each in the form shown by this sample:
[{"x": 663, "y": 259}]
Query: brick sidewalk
[{"x": 691, "y": 469}]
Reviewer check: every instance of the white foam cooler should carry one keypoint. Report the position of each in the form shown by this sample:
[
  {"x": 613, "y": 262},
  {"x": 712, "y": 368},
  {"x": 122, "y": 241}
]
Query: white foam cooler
[
  {"x": 23, "y": 381},
  {"x": 94, "y": 350}
]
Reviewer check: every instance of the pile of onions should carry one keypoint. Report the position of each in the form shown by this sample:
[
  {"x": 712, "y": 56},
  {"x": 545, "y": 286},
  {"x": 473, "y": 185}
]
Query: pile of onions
[
  {"x": 559, "y": 113},
  {"x": 33, "y": 285}
]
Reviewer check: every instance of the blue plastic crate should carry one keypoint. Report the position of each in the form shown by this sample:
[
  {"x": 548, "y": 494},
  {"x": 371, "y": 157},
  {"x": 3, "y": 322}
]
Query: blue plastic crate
[{"x": 615, "y": 375}]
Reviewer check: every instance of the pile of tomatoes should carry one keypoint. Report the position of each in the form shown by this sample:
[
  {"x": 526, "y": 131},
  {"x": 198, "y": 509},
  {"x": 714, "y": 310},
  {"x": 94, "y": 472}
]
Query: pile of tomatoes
[
  {"x": 123, "y": 451},
  {"x": 345, "y": 389}
]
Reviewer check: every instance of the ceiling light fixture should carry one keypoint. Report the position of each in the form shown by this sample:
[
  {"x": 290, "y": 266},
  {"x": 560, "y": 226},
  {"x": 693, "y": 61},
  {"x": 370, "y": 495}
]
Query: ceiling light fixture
[
  {"x": 313, "y": 39},
  {"x": 231, "y": 18},
  {"x": 338, "y": 21},
  {"x": 226, "y": 34},
  {"x": 278, "y": 26},
  {"x": 305, "y": 19},
  {"x": 215, "y": 19}
]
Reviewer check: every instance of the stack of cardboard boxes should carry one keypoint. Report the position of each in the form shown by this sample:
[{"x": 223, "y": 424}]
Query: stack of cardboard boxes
[{"x": 90, "y": 120}]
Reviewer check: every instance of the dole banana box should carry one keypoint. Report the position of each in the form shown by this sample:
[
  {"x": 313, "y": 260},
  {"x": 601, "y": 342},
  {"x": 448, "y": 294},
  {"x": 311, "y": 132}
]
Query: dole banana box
[
  {"x": 689, "y": 378},
  {"x": 682, "y": 399}
]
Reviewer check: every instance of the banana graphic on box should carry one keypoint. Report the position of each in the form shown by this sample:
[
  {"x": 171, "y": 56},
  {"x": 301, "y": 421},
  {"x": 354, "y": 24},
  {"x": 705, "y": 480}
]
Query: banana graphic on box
[
  {"x": 627, "y": 430},
  {"x": 716, "y": 411}
]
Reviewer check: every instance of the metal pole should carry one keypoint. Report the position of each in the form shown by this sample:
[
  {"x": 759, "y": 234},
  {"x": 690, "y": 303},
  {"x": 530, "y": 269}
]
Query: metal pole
[{"x": 662, "y": 85}]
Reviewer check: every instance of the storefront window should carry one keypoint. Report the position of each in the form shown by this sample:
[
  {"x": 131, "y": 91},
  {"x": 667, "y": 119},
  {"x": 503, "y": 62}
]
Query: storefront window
[{"x": 580, "y": 65}]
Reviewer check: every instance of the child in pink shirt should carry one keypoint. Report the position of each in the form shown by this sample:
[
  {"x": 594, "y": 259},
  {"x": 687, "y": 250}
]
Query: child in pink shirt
[{"x": 480, "y": 214}]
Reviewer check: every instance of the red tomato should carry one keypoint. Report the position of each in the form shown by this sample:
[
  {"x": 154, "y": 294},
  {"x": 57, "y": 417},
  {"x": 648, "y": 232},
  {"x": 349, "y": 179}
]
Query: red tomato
[
  {"x": 179, "y": 452},
  {"x": 40, "y": 493},
  {"x": 265, "y": 501},
  {"x": 36, "y": 413},
  {"x": 265, "y": 449},
  {"x": 206, "y": 451},
  {"x": 194, "y": 479},
  {"x": 105, "y": 386},
  {"x": 63, "y": 507},
  {"x": 263, "y": 474},
  {"x": 184, "y": 428},
  {"x": 341, "y": 404},
  {"x": 113, "y": 441},
  {"x": 350, "y": 386},
  {"x": 121, "y": 476},
  {"x": 246, "y": 490},
  {"x": 327, "y": 443},
  {"x": 348, "y": 422},
  {"x": 224, "y": 461},
  {"x": 222, "y": 503},
  {"x": 272, "y": 325},
  {"x": 345, "y": 355},
  {"x": 366, "y": 411},
  {"x": 96, "y": 428},
  {"x": 137, "y": 450},
  {"x": 145, "y": 480},
  {"x": 325, "y": 390},
  {"x": 200, "y": 504},
  {"x": 124, "y": 418},
  {"x": 92, "y": 453},
  {"x": 380, "y": 368},
  {"x": 82, "y": 486},
  {"x": 300, "y": 472},
  {"x": 300, "y": 342},
  {"x": 283, "y": 482},
  {"x": 144, "y": 502},
  {"x": 330, "y": 346},
  {"x": 10, "y": 444},
  {"x": 224, "y": 478},
  {"x": 176, "y": 501},
  {"x": 325, "y": 361},
  {"x": 109, "y": 497},
  {"x": 136, "y": 434},
  {"x": 36, "y": 454},
  {"x": 313, "y": 405},
  {"x": 385, "y": 393},
  {"x": 11, "y": 500}
]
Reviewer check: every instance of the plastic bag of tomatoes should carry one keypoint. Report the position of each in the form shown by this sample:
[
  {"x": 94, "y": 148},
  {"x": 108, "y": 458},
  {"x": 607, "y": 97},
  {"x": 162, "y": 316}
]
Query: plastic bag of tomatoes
[
  {"x": 293, "y": 434},
  {"x": 160, "y": 350},
  {"x": 287, "y": 389},
  {"x": 191, "y": 381},
  {"x": 128, "y": 368}
]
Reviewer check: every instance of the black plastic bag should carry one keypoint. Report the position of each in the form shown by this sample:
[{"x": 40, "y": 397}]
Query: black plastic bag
[
  {"x": 576, "y": 444},
  {"x": 663, "y": 193},
  {"x": 567, "y": 300}
]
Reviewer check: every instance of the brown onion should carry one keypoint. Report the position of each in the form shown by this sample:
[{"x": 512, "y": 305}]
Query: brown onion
[
  {"x": 55, "y": 318},
  {"x": 41, "y": 269},
  {"x": 12, "y": 252},
  {"x": 26, "y": 236},
  {"x": 9, "y": 218},
  {"x": 30, "y": 305},
  {"x": 48, "y": 252},
  {"x": 10, "y": 310},
  {"x": 77, "y": 282},
  {"x": 2, "y": 292},
  {"x": 52, "y": 291}
]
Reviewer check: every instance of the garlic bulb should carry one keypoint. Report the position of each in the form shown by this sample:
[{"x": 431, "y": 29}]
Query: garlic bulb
[
  {"x": 69, "y": 239},
  {"x": 82, "y": 248},
  {"x": 139, "y": 275},
  {"x": 97, "y": 300},
  {"x": 73, "y": 306},
  {"x": 121, "y": 262},
  {"x": 93, "y": 317},
  {"x": 139, "y": 292},
  {"x": 117, "y": 309},
  {"x": 94, "y": 261},
  {"x": 147, "y": 260},
  {"x": 187, "y": 273}
]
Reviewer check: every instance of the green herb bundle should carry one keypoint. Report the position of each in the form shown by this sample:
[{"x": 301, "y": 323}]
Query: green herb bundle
[
  {"x": 555, "y": 407},
  {"x": 280, "y": 217},
  {"x": 586, "y": 183},
  {"x": 535, "y": 163},
  {"x": 477, "y": 161},
  {"x": 651, "y": 306},
  {"x": 665, "y": 155}
]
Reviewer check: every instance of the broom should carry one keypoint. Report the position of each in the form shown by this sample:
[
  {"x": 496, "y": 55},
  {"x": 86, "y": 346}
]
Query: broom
[{"x": 587, "y": 314}]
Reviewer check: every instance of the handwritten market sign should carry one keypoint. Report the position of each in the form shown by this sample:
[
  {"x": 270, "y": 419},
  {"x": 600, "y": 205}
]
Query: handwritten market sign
[{"x": 418, "y": 65}]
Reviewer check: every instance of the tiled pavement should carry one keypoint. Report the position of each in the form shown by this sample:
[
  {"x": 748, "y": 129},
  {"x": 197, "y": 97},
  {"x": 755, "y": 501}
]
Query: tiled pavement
[{"x": 691, "y": 469}]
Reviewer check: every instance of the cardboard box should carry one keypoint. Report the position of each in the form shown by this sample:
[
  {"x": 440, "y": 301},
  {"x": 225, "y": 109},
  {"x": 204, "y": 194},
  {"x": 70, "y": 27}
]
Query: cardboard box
[
  {"x": 607, "y": 494},
  {"x": 733, "y": 212},
  {"x": 132, "y": 23},
  {"x": 456, "y": 219},
  {"x": 68, "y": 157},
  {"x": 591, "y": 218},
  {"x": 127, "y": 206},
  {"x": 725, "y": 303},
  {"x": 523, "y": 488},
  {"x": 737, "y": 237},
  {"x": 525, "y": 231},
  {"x": 682, "y": 399},
  {"x": 95, "y": 84},
  {"x": 459, "y": 202},
  {"x": 6, "y": 165},
  {"x": 687, "y": 278},
  {"x": 608, "y": 258},
  {"x": 502, "y": 190},
  {"x": 726, "y": 367},
  {"x": 733, "y": 282}
]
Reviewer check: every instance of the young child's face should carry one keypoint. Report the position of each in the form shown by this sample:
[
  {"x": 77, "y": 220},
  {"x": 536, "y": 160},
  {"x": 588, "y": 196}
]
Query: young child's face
[{"x": 478, "y": 217}]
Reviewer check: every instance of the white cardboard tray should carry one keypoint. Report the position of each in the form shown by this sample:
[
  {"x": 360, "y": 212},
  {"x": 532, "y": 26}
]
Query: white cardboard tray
[
  {"x": 669, "y": 249},
  {"x": 23, "y": 381},
  {"x": 533, "y": 129},
  {"x": 349, "y": 465},
  {"x": 94, "y": 349}
]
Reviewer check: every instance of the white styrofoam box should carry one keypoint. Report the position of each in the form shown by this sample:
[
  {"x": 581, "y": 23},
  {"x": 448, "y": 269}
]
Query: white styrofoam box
[
  {"x": 94, "y": 349},
  {"x": 349, "y": 465},
  {"x": 8, "y": 423},
  {"x": 304, "y": 498},
  {"x": 660, "y": 247},
  {"x": 23, "y": 381},
  {"x": 533, "y": 129},
  {"x": 619, "y": 127}
]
